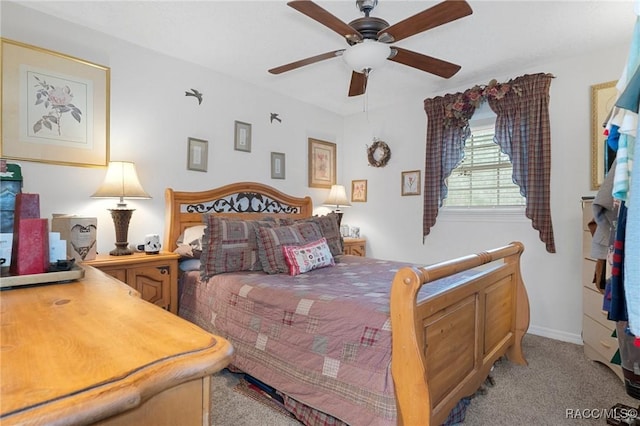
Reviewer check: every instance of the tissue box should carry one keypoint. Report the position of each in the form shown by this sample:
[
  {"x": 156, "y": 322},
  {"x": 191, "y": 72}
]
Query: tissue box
[{"x": 79, "y": 233}]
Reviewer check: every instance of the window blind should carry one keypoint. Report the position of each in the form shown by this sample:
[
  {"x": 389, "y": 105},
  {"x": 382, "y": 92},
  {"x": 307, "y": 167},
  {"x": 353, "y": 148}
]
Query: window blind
[{"x": 483, "y": 178}]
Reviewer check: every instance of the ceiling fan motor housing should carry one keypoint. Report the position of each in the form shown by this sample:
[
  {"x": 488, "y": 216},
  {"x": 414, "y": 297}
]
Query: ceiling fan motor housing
[{"x": 368, "y": 26}]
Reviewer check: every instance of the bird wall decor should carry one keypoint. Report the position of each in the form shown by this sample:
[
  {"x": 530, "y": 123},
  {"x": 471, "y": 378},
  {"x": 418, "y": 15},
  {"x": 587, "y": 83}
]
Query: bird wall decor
[
  {"x": 195, "y": 94},
  {"x": 274, "y": 116}
]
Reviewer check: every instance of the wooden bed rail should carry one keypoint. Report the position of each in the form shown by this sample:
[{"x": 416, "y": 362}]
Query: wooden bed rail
[{"x": 443, "y": 347}]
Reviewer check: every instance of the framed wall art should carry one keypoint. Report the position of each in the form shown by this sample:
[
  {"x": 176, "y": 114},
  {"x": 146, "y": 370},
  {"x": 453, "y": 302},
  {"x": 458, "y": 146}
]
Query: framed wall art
[
  {"x": 197, "y": 155},
  {"x": 242, "y": 136},
  {"x": 55, "y": 108},
  {"x": 603, "y": 98},
  {"x": 277, "y": 165},
  {"x": 322, "y": 163},
  {"x": 411, "y": 182},
  {"x": 359, "y": 191}
]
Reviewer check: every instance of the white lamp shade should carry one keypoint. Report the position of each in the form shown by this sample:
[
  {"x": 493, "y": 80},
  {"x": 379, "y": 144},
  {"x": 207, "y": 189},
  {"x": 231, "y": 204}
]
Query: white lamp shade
[
  {"x": 337, "y": 197},
  {"x": 369, "y": 54},
  {"x": 121, "y": 181}
]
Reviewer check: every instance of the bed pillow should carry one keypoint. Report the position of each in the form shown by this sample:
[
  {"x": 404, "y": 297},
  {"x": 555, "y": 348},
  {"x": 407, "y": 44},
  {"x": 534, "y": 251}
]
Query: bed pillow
[
  {"x": 187, "y": 265},
  {"x": 190, "y": 242},
  {"x": 308, "y": 257},
  {"x": 330, "y": 230},
  {"x": 271, "y": 240},
  {"x": 230, "y": 245}
]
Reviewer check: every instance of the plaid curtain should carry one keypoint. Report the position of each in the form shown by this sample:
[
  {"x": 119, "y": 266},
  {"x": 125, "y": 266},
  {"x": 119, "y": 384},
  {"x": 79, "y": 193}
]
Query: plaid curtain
[
  {"x": 522, "y": 132},
  {"x": 445, "y": 149}
]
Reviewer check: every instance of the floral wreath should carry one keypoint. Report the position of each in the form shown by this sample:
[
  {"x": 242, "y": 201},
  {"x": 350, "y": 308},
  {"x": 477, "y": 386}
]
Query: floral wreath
[
  {"x": 458, "y": 112},
  {"x": 386, "y": 154}
]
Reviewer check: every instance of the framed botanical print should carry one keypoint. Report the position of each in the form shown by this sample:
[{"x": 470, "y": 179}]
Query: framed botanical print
[
  {"x": 359, "y": 190},
  {"x": 322, "y": 163},
  {"x": 55, "y": 107},
  {"x": 411, "y": 182}
]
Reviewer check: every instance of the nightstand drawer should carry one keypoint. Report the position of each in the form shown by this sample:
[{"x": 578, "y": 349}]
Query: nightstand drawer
[
  {"x": 355, "y": 246},
  {"x": 155, "y": 276}
]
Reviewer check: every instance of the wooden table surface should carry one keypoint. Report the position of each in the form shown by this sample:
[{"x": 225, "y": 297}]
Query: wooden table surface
[{"x": 83, "y": 351}]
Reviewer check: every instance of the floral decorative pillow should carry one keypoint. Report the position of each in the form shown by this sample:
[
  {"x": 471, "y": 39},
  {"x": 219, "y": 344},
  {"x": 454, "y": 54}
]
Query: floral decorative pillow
[
  {"x": 308, "y": 257},
  {"x": 230, "y": 245},
  {"x": 271, "y": 240}
]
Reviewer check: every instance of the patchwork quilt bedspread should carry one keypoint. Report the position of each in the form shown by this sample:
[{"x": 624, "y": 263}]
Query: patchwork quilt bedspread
[{"x": 323, "y": 338}]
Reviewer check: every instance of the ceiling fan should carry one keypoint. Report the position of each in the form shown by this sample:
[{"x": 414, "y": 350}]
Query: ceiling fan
[{"x": 369, "y": 39}]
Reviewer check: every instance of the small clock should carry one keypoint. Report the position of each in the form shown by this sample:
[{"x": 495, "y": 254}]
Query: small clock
[{"x": 378, "y": 154}]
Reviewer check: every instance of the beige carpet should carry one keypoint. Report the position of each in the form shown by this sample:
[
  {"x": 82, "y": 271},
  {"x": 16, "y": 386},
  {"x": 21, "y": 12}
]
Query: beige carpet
[{"x": 558, "y": 381}]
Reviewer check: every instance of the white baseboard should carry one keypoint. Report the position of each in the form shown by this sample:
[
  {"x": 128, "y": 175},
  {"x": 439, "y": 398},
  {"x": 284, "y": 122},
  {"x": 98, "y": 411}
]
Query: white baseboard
[{"x": 556, "y": 334}]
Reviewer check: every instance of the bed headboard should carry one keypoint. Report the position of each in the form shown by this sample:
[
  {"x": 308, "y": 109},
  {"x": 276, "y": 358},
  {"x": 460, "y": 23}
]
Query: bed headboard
[{"x": 242, "y": 200}]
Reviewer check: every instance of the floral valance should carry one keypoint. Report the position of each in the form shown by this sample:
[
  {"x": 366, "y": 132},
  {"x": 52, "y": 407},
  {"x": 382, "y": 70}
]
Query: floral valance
[{"x": 462, "y": 106}]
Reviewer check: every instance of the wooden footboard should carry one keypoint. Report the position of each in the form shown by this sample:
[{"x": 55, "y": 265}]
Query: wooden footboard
[{"x": 443, "y": 347}]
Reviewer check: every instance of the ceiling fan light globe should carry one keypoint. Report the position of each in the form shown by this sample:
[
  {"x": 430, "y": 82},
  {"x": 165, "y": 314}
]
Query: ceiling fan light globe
[{"x": 367, "y": 55}]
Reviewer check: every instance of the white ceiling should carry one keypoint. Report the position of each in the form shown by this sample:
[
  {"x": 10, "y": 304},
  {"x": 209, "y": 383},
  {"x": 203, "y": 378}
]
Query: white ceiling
[{"x": 246, "y": 38}]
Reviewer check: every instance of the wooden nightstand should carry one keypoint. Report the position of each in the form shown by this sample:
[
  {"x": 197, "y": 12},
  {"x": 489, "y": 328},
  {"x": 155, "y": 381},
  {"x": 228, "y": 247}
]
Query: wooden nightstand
[
  {"x": 155, "y": 276},
  {"x": 355, "y": 246}
]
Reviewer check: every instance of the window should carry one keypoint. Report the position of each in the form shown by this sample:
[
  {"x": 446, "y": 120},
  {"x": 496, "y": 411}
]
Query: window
[{"x": 483, "y": 178}]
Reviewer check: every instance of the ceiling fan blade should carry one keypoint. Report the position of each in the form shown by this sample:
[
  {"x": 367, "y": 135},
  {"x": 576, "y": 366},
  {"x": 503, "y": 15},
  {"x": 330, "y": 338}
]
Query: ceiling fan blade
[
  {"x": 425, "y": 63},
  {"x": 358, "y": 84},
  {"x": 315, "y": 12},
  {"x": 306, "y": 61},
  {"x": 447, "y": 11}
]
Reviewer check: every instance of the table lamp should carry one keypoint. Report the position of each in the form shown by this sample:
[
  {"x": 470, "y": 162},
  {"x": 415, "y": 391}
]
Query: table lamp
[
  {"x": 121, "y": 182},
  {"x": 338, "y": 198}
]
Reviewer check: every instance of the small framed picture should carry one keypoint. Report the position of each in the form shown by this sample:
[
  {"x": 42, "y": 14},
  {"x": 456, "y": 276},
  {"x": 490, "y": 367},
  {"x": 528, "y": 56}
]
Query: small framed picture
[
  {"x": 242, "y": 137},
  {"x": 277, "y": 165},
  {"x": 359, "y": 191},
  {"x": 197, "y": 155},
  {"x": 411, "y": 182}
]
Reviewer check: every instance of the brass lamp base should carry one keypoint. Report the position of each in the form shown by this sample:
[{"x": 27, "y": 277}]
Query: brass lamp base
[{"x": 121, "y": 218}]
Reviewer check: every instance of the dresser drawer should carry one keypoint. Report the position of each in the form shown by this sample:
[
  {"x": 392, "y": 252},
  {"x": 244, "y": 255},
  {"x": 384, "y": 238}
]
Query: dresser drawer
[
  {"x": 588, "y": 272},
  {"x": 599, "y": 338},
  {"x": 592, "y": 306}
]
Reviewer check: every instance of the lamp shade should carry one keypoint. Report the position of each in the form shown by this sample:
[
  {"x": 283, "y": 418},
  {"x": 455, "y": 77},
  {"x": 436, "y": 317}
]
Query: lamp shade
[
  {"x": 121, "y": 181},
  {"x": 337, "y": 197},
  {"x": 367, "y": 55}
]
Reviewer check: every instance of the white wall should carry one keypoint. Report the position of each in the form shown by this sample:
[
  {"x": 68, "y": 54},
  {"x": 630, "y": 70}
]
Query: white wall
[
  {"x": 393, "y": 224},
  {"x": 151, "y": 119}
]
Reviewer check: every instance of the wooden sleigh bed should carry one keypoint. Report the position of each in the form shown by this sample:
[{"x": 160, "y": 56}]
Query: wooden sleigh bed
[{"x": 449, "y": 322}]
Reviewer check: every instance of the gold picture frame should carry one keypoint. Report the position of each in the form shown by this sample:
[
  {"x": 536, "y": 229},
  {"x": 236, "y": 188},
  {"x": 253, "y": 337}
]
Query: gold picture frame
[
  {"x": 410, "y": 182},
  {"x": 322, "y": 163},
  {"x": 55, "y": 107},
  {"x": 197, "y": 155},
  {"x": 359, "y": 191},
  {"x": 603, "y": 98}
]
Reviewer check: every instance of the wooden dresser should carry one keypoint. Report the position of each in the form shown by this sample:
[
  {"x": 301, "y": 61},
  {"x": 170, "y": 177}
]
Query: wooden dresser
[
  {"x": 597, "y": 330},
  {"x": 92, "y": 351}
]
